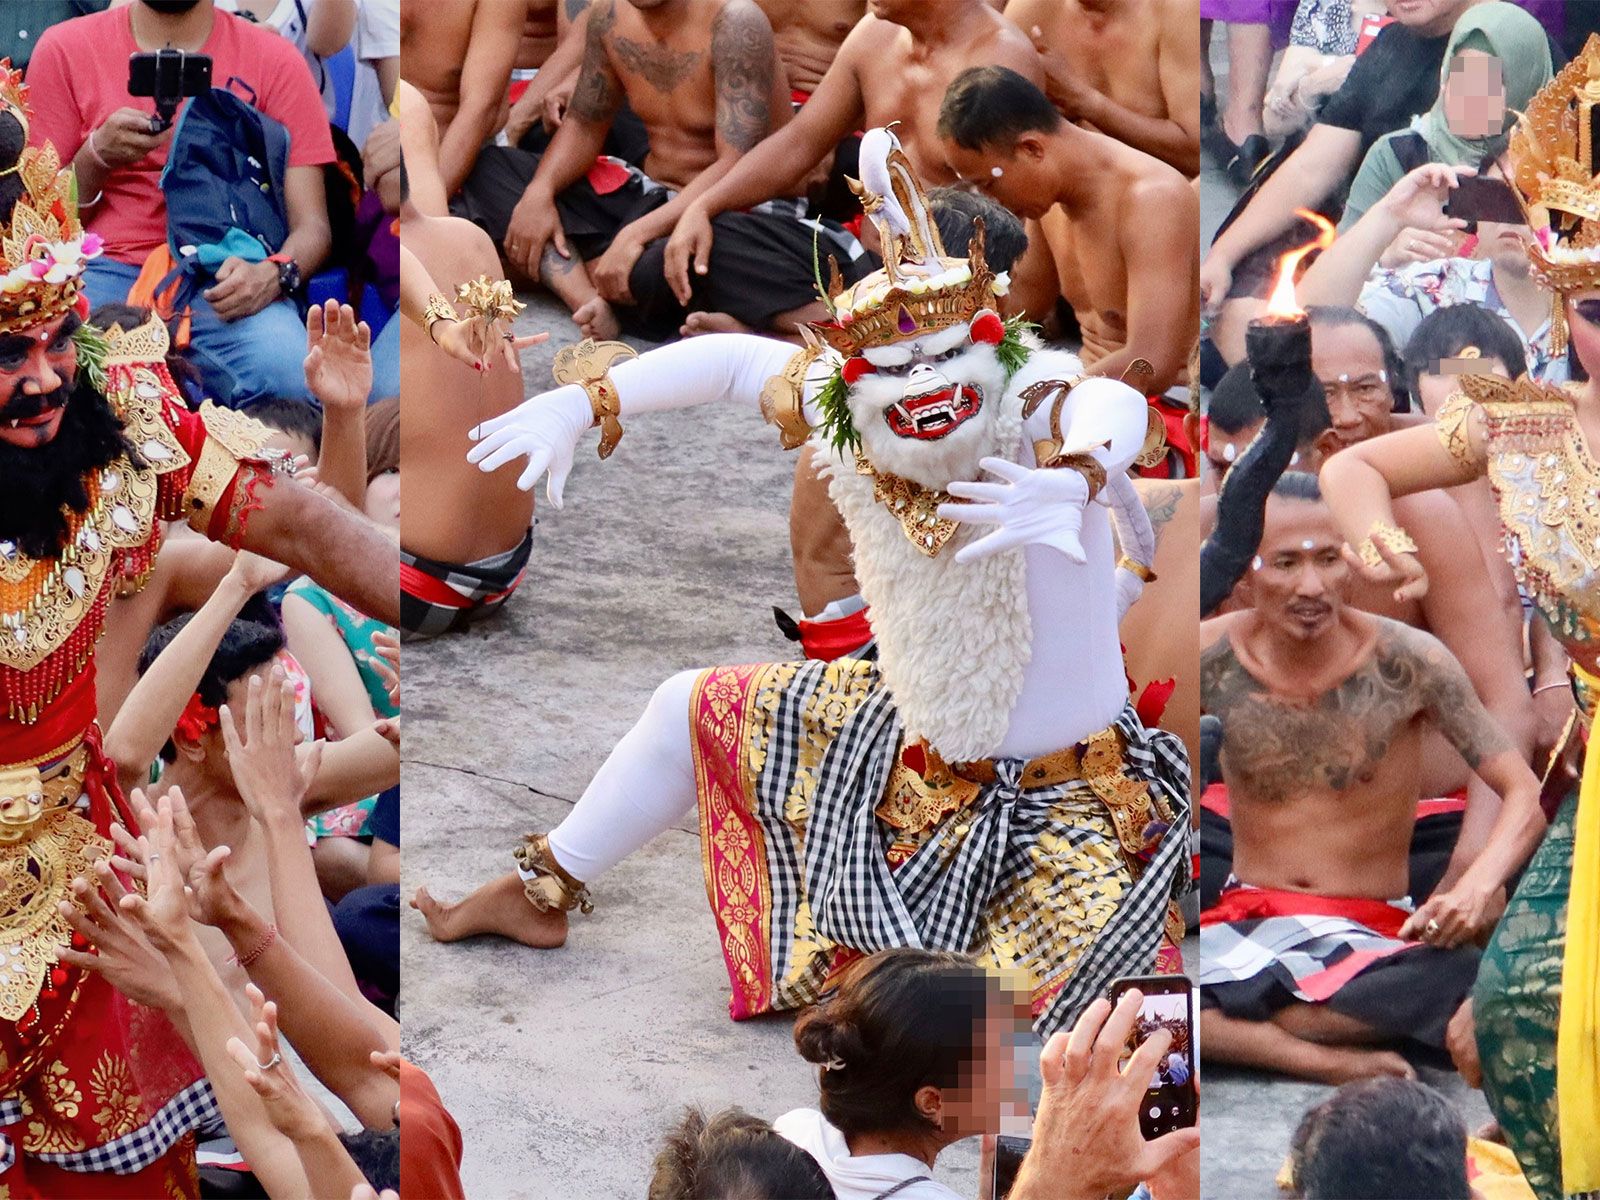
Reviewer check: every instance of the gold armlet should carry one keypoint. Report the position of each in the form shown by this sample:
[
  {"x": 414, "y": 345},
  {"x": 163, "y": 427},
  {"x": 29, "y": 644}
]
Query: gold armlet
[
  {"x": 1391, "y": 537},
  {"x": 1086, "y": 465},
  {"x": 588, "y": 364},
  {"x": 783, "y": 399},
  {"x": 438, "y": 310},
  {"x": 1138, "y": 568}
]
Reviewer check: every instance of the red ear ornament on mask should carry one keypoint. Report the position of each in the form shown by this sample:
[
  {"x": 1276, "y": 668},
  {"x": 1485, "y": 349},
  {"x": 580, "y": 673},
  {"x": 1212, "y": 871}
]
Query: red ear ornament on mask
[
  {"x": 855, "y": 368},
  {"x": 988, "y": 327},
  {"x": 81, "y": 306}
]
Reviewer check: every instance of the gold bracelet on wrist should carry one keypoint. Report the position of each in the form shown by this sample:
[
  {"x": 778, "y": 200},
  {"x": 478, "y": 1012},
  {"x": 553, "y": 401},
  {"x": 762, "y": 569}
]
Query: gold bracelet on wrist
[
  {"x": 1391, "y": 537},
  {"x": 438, "y": 309},
  {"x": 588, "y": 364},
  {"x": 1086, "y": 465},
  {"x": 1138, "y": 568}
]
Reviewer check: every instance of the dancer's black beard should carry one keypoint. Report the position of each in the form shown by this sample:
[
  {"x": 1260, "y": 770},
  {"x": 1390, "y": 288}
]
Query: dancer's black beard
[{"x": 39, "y": 484}]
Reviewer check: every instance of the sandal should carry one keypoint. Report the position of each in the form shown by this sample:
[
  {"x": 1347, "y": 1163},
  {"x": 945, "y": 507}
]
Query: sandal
[{"x": 547, "y": 886}]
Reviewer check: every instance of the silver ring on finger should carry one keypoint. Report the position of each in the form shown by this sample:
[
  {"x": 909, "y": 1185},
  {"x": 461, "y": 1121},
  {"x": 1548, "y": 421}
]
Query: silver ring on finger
[
  {"x": 271, "y": 1062},
  {"x": 1431, "y": 928}
]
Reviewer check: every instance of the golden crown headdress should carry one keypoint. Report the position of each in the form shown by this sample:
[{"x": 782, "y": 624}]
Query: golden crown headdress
[
  {"x": 43, "y": 249},
  {"x": 919, "y": 290}
]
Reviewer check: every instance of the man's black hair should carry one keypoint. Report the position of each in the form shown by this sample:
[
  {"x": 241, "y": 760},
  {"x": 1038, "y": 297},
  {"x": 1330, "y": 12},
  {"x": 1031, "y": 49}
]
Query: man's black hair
[
  {"x": 993, "y": 106},
  {"x": 247, "y": 644},
  {"x": 1298, "y": 485},
  {"x": 290, "y": 415},
  {"x": 1381, "y": 1139},
  {"x": 377, "y": 1156},
  {"x": 955, "y": 210},
  {"x": 1446, "y": 332},
  {"x": 1235, "y": 404},
  {"x": 1333, "y": 316}
]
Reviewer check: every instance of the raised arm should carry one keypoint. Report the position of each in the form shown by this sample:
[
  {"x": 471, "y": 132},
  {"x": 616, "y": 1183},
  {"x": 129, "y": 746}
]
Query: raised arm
[
  {"x": 545, "y": 430},
  {"x": 151, "y": 711}
]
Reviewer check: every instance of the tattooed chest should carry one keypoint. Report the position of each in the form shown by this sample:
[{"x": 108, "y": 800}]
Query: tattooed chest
[
  {"x": 662, "y": 67},
  {"x": 1276, "y": 748}
]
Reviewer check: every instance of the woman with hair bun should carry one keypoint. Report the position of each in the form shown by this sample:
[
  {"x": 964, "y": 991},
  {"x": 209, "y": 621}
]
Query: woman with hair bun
[{"x": 916, "y": 1053}]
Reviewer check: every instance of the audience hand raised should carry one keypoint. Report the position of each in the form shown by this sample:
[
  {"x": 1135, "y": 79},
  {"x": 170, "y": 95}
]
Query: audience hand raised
[
  {"x": 293, "y": 1113},
  {"x": 119, "y": 952},
  {"x": 338, "y": 356},
  {"x": 271, "y": 777},
  {"x": 212, "y": 899},
  {"x": 1086, "y": 1138},
  {"x": 162, "y": 913}
]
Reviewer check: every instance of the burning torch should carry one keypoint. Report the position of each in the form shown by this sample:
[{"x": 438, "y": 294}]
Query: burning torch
[{"x": 1278, "y": 345}]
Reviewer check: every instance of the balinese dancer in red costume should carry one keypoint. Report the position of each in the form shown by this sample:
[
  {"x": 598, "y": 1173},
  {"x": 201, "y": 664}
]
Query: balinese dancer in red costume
[{"x": 98, "y": 1096}]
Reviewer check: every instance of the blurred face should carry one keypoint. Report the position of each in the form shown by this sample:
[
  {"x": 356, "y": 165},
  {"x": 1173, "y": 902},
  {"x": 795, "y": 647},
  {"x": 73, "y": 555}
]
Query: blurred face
[
  {"x": 383, "y": 499},
  {"x": 295, "y": 445},
  {"x": 1437, "y": 386},
  {"x": 989, "y": 1085},
  {"x": 1349, "y": 363},
  {"x": 37, "y": 369},
  {"x": 1015, "y": 177},
  {"x": 1298, "y": 579},
  {"x": 1474, "y": 95}
]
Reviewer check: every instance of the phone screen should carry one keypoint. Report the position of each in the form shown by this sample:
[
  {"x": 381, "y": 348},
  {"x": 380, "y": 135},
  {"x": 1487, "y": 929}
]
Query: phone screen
[
  {"x": 1008, "y": 1155},
  {"x": 1478, "y": 199},
  {"x": 1172, "y": 1099}
]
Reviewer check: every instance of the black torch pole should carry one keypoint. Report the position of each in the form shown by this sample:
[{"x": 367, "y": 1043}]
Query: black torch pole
[{"x": 1279, "y": 351}]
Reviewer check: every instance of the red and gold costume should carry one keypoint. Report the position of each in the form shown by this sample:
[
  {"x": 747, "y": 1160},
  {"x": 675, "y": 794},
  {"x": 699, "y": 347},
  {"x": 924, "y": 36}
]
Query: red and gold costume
[{"x": 98, "y": 1095}]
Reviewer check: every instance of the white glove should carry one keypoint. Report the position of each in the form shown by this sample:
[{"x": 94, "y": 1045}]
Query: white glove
[
  {"x": 544, "y": 430},
  {"x": 1043, "y": 507}
]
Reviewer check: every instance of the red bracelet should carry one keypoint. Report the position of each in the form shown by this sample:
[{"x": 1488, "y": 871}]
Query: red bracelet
[{"x": 266, "y": 944}]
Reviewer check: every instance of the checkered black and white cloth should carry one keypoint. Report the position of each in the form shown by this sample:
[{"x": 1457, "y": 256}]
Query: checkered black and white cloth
[
  {"x": 437, "y": 597},
  {"x": 1301, "y": 951},
  {"x": 192, "y": 1110},
  {"x": 938, "y": 898}
]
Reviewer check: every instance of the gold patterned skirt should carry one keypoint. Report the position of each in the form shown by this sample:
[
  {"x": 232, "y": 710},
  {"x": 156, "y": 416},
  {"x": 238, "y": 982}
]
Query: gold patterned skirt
[{"x": 824, "y": 836}]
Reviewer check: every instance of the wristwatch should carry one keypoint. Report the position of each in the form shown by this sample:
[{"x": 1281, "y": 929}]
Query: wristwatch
[{"x": 288, "y": 273}]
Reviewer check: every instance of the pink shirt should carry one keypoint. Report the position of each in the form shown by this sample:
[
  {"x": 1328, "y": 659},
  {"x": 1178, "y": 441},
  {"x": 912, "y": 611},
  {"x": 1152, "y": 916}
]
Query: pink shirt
[{"x": 79, "y": 76}]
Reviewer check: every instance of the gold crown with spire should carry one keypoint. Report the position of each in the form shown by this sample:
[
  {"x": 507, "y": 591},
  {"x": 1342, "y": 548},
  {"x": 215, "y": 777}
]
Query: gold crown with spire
[
  {"x": 1553, "y": 170},
  {"x": 920, "y": 289},
  {"x": 43, "y": 249}
]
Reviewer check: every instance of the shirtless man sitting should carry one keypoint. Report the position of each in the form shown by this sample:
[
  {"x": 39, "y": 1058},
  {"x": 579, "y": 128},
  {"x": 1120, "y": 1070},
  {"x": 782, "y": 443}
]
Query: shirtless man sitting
[
  {"x": 899, "y": 56},
  {"x": 453, "y": 570},
  {"x": 704, "y": 77},
  {"x": 808, "y": 34},
  {"x": 1127, "y": 68},
  {"x": 459, "y": 56},
  {"x": 1133, "y": 221},
  {"x": 1313, "y": 960}
]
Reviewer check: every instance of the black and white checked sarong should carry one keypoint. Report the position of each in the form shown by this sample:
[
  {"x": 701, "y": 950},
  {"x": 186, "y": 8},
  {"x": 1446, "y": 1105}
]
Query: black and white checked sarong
[{"x": 1032, "y": 878}]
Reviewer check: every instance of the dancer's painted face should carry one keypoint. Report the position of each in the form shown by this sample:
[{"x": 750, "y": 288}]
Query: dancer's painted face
[
  {"x": 37, "y": 369},
  {"x": 925, "y": 406}
]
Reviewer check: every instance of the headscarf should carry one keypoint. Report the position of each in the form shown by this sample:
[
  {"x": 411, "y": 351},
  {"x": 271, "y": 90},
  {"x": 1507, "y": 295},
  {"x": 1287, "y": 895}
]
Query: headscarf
[{"x": 1519, "y": 42}]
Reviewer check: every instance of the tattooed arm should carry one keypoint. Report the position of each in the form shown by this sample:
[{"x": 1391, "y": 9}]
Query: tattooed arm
[
  {"x": 1465, "y": 911},
  {"x": 744, "y": 63},
  {"x": 534, "y": 241}
]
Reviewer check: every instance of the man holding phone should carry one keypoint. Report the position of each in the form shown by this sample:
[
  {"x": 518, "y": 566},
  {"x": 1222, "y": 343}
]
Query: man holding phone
[
  {"x": 246, "y": 327},
  {"x": 1430, "y": 203}
]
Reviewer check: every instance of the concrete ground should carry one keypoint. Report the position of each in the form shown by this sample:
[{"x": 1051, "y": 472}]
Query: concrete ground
[
  {"x": 1249, "y": 1116},
  {"x": 564, "y": 1067}
]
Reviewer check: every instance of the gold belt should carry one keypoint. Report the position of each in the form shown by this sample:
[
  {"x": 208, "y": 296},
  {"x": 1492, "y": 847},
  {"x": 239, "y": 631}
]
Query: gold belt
[
  {"x": 28, "y": 794},
  {"x": 917, "y": 800}
]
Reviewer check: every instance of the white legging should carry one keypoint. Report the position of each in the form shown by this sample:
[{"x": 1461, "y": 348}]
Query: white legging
[{"x": 645, "y": 786}]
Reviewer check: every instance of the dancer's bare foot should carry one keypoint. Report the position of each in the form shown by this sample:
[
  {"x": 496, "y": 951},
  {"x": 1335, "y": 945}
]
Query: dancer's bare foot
[
  {"x": 595, "y": 319},
  {"x": 1343, "y": 1064},
  {"x": 709, "y": 322},
  {"x": 500, "y": 908}
]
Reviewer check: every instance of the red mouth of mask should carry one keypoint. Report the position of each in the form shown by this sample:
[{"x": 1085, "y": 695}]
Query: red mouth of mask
[{"x": 935, "y": 415}]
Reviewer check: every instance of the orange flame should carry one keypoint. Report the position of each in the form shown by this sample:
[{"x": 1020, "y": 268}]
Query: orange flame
[{"x": 1282, "y": 303}]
